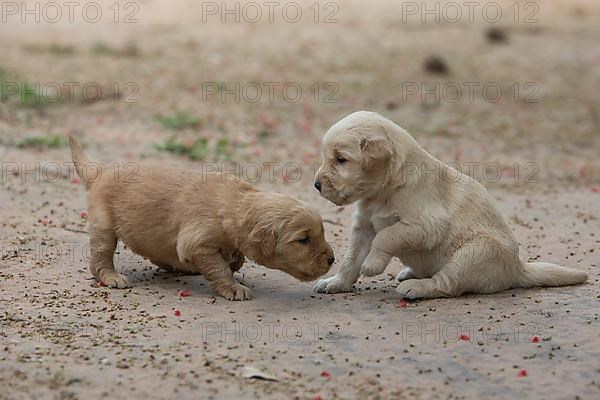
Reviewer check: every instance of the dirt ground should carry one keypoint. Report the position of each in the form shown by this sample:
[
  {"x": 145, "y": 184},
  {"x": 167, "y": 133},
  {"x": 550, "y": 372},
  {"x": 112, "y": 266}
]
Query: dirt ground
[{"x": 535, "y": 148}]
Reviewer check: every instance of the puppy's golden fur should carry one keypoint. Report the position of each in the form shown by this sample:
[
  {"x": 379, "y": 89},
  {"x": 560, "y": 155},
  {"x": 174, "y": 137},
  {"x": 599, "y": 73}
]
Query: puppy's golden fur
[
  {"x": 185, "y": 221},
  {"x": 439, "y": 222}
]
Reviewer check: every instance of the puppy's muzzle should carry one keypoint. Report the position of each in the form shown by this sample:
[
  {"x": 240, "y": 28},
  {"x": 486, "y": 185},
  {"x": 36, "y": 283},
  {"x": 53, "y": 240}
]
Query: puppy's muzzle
[
  {"x": 330, "y": 260},
  {"x": 318, "y": 185}
]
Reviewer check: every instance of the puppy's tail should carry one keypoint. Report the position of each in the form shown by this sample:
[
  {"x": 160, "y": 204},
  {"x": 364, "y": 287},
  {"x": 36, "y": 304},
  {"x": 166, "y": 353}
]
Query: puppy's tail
[
  {"x": 80, "y": 160},
  {"x": 546, "y": 274}
]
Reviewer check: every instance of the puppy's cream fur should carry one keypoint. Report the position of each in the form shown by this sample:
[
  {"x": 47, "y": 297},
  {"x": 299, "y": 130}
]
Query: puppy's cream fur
[
  {"x": 186, "y": 221},
  {"x": 437, "y": 221}
]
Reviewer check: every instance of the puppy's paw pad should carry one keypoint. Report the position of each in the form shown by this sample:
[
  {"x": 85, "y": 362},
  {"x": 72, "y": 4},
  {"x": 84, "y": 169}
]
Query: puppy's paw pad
[
  {"x": 405, "y": 274},
  {"x": 115, "y": 281},
  {"x": 332, "y": 285}
]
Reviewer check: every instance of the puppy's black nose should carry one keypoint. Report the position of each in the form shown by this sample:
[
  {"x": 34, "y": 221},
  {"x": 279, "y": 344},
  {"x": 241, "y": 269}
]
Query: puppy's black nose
[
  {"x": 330, "y": 260},
  {"x": 318, "y": 185}
]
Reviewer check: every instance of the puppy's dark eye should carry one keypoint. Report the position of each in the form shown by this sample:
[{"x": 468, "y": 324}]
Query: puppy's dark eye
[
  {"x": 305, "y": 240},
  {"x": 340, "y": 160}
]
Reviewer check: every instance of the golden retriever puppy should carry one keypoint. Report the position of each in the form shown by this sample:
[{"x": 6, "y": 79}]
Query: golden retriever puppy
[
  {"x": 186, "y": 221},
  {"x": 436, "y": 220}
]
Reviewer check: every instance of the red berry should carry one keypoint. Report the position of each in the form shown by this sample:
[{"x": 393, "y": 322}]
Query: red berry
[
  {"x": 325, "y": 374},
  {"x": 535, "y": 339},
  {"x": 185, "y": 293},
  {"x": 177, "y": 313},
  {"x": 464, "y": 337},
  {"x": 403, "y": 303},
  {"x": 522, "y": 373}
]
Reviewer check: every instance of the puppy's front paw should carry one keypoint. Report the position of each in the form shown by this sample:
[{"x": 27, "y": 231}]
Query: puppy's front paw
[
  {"x": 334, "y": 284},
  {"x": 237, "y": 292},
  {"x": 374, "y": 264},
  {"x": 115, "y": 280}
]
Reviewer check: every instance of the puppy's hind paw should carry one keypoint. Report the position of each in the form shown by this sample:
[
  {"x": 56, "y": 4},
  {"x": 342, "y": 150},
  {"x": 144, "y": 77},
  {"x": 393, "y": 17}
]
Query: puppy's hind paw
[
  {"x": 332, "y": 284},
  {"x": 422, "y": 289},
  {"x": 409, "y": 289},
  {"x": 236, "y": 292}
]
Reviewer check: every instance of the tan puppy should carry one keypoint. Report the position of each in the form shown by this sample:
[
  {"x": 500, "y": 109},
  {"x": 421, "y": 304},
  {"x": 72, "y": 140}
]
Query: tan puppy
[
  {"x": 410, "y": 205},
  {"x": 185, "y": 221}
]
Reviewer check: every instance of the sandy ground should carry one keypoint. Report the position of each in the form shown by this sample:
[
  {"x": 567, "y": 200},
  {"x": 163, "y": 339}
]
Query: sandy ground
[{"x": 63, "y": 336}]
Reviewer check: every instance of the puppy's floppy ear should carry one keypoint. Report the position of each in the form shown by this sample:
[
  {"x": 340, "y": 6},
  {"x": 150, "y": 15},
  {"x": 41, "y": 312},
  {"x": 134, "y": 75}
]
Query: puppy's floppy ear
[
  {"x": 374, "y": 151},
  {"x": 262, "y": 241}
]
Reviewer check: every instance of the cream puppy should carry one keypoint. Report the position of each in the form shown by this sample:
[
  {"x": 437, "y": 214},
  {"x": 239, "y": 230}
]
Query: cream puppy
[
  {"x": 189, "y": 222},
  {"x": 437, "y": 221}
]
